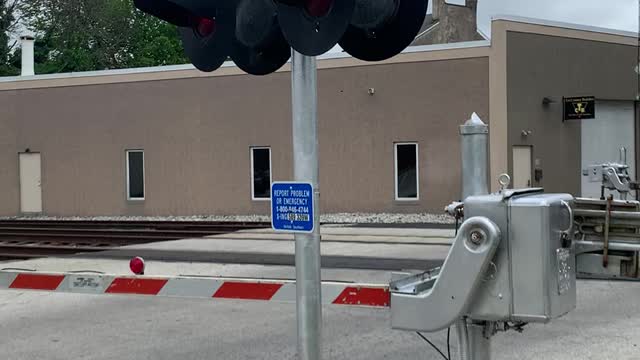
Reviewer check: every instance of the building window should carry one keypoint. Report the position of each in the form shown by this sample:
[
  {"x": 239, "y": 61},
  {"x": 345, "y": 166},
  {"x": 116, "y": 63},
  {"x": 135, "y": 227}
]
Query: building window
[
  {"x": 260, "y": 173},
  {"x": 135, "y": 174},
  {"x": 406, "y": 171}
]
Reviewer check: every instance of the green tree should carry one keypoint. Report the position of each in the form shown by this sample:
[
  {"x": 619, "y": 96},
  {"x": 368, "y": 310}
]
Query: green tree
[
  {"x": 155, "y": 42},
  {"x": 8, "y": 23},
  {"x": 84, "y": 35}
]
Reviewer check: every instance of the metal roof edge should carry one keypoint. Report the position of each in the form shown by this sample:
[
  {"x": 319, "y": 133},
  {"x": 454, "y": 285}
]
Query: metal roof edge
[
  {"x": 449, "y": 46},
  {"x": 228, "y": 64},
  {"x": 565, "y": 25},
  {"x": 127, "y": 71}
]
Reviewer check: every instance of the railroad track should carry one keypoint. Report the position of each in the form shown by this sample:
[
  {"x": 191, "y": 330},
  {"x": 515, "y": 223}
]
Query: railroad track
[{"x": 21, "y": 239}]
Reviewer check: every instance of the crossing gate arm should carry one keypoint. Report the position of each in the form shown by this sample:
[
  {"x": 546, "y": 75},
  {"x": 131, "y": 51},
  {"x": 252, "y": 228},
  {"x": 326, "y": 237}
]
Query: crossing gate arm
[{"x": 334, "y": 293}]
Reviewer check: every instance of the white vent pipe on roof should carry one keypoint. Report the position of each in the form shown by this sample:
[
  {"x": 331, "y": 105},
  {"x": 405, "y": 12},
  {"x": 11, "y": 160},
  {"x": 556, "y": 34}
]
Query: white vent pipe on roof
[{"x": 27, "y": 55}]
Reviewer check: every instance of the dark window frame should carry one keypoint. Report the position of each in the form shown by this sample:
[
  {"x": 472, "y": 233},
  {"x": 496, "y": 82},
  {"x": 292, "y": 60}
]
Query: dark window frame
[
  {"x": 128, "y": 175},
  {"x": 252, "y": 150},
  {"x": 395, "y": 171}
]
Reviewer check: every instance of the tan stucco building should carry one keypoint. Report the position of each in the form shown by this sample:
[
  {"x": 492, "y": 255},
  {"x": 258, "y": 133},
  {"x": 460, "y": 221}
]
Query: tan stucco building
[{"x": 75, "y": 136}]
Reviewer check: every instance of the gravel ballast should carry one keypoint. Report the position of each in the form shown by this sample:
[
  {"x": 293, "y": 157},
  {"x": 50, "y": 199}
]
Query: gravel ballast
[{"x": 338, "y": 218}]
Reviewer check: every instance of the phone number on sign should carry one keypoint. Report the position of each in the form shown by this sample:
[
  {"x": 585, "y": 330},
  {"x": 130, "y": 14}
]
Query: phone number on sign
[{"x": 298, "y": 217}]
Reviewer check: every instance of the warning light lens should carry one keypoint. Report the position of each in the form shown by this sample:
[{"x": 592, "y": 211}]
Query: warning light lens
[
  {"x": 318, "y": 8},
  {"x": 137, "y": 265},
  {"x": 205, "y": 27}
]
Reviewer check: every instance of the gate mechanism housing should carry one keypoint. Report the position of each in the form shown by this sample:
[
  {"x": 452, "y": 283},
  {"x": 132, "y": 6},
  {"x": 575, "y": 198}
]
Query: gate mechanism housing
[{"x": 512, "y": 260}]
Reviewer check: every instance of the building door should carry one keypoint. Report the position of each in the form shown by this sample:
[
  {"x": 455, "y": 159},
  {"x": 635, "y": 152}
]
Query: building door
[
  {"x": 521, "y": 167},
  {"x": 613, "y": 128},
  {"x": 30, "y": 190}
]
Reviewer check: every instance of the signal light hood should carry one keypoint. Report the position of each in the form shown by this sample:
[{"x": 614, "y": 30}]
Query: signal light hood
[{"x": 395, "y": 27}]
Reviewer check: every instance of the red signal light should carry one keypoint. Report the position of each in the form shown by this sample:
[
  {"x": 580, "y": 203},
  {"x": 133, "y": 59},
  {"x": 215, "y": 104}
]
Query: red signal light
[
  {"x": 318, "y": 8},
  {"x": 205, "y": 27},
  {"x": 137, "y": 265}
]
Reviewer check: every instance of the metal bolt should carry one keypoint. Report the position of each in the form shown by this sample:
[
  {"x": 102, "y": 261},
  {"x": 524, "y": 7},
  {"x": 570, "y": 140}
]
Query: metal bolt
[{"x": 476, "y": 237}]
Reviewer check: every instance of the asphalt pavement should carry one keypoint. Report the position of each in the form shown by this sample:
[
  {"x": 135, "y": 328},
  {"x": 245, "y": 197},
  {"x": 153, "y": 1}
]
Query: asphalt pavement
[
  {"x": 36, "y": 325},
  {"x": 72, "y": 326}
]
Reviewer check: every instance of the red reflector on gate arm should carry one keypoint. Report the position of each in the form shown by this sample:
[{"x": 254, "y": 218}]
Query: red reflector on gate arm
[
  {"x": 36, "y": 282},
  {"x": 137, "y": 265},
  {"x": 363, "y": 296},
  {"x": 247, "y": 291},
  {"x": 136, "y": 286}
]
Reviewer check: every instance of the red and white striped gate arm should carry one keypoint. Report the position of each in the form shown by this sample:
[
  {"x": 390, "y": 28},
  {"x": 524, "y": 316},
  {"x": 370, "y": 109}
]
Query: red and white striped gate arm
[{"x": 337, "y": 293}]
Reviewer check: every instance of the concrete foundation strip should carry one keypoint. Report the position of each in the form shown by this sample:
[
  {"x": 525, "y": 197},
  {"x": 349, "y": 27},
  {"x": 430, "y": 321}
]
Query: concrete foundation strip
[{"x": 336, "y": 293}]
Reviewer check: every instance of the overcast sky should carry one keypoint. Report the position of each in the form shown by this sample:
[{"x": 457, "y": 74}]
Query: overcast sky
[{"x": 614, "y": 14}]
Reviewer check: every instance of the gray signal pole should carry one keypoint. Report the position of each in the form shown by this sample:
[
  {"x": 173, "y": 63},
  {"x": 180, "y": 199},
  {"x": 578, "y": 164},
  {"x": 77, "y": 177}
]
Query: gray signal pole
[
  {"x": 473, "y": 343},
  {"x": 305, "y": 164}
]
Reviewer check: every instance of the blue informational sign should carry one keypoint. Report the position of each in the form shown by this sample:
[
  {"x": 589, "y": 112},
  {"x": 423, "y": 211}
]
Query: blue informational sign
[{"x": 292, "y": 207}]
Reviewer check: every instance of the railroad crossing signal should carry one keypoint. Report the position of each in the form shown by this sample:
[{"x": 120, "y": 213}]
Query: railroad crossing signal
[{"x": 258, "y": 34}]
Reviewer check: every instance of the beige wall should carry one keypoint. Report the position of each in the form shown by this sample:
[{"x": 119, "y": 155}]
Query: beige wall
[
  {"x": 557, "y": 65},
  {"x": 196, "y": 128},
  {"x": 196, "y": 133},
  {"x": 9, "y": 195}
]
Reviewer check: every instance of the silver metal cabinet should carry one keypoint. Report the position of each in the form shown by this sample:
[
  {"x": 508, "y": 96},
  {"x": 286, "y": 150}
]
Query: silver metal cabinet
[
  {"x": 512, "y": 260},
  {"x": 532, "y": 276}
]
